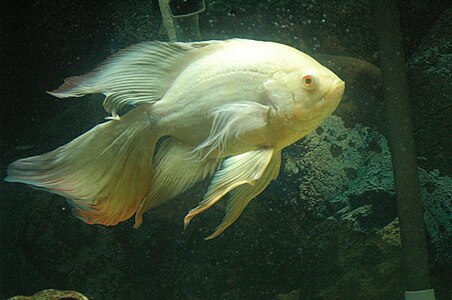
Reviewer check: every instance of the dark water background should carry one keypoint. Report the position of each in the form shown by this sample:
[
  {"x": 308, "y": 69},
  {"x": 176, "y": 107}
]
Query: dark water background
[{"x": 280, "y": 244}]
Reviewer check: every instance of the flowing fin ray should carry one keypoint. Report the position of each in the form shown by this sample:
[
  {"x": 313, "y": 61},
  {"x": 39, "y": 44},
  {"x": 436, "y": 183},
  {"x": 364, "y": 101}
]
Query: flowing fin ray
[
  {"x": 141, "y": 73},
  {"x": 230, "y": 121},
  {"x": 241, "y": 196},
  {"x": 173, "y": 174},
  {"x": 105, "y": 172},
  {"x": 237, "y": 170}
]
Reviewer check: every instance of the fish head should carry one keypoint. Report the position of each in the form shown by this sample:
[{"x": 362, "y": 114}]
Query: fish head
[
  {"x": 315, "y": 88},
  {"x": 315, "y": 92}
]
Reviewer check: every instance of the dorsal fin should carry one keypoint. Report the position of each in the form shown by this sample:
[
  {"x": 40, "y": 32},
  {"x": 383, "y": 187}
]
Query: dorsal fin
[{"x": 141, "y": 73}]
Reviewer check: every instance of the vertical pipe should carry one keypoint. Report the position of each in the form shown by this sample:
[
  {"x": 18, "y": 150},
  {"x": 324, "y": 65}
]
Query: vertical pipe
[
  {"x": 187, "y": 28},
  {"x": 180, "y": 18},
  {"x": 167, "y": 20},
  {"x": 409, "y": 205},
  {"x": 185, "y": 18}
]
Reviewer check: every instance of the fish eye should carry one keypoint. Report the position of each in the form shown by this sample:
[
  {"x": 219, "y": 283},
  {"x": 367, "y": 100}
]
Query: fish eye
[{"x": 308, "y": 81}]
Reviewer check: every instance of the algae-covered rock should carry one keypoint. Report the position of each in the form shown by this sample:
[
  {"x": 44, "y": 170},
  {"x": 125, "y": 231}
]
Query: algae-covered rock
[
  {"x": 346, "y": 188},
  {"x": 347, "y": 173},
  {"x": 52, "y": 294},
  {"x": 437, "y": 198},
  {"x": 430, "y": 79},
  {"x": 343, "y": 167},
  {"x": 358, "y": 266}
]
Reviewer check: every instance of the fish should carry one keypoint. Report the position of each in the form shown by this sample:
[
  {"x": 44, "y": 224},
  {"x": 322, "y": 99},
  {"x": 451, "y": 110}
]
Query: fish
[{"x": 180, "y": 113}]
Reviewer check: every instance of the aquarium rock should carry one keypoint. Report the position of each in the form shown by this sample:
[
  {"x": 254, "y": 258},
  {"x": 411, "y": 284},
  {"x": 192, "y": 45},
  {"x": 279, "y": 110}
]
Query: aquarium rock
[
  {"x": 429, "y": 74},
  {"x": 346, "y": 173}
]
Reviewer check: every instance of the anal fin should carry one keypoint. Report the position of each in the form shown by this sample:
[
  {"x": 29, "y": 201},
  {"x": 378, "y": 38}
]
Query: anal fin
[
  {"x": 237, "y": 170},
  {"x": 241, "y": 196},
  {"x": 174, "y": 172}
]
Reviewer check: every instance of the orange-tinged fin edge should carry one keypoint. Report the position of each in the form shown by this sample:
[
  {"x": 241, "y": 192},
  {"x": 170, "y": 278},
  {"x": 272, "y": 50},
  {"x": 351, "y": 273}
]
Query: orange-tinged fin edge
[
  {"x": 237, "y": 170},
  {"x": 241, "y": 196},
  {"x": 105, "y": 172}
]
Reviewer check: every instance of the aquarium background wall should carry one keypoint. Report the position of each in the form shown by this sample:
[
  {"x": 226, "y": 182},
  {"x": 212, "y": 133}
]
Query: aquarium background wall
[{"x": 327, "y": 228}]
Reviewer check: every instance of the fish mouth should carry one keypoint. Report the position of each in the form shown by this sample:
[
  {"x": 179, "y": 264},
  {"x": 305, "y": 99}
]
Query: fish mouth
[
  {"x": 330, "y": 99},
  {"x": 336, "y": 93}
]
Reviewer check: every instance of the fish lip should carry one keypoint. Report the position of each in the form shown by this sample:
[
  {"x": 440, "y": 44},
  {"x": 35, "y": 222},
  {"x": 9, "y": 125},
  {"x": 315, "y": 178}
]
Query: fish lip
[{"x": 335, "y": 93}]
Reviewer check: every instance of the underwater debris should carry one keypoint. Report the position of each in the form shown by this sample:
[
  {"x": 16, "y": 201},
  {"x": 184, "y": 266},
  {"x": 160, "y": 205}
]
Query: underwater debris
[
  {"x": 293, "y": 295},
  {"x": 52, "y": 294}
]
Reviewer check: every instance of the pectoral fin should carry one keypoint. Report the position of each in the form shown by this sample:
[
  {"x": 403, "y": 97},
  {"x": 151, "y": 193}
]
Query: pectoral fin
[
  {"x": 230, "y": 121},
  {"x": 237, "y": 170},
  {"x": 241, "y": 196}
]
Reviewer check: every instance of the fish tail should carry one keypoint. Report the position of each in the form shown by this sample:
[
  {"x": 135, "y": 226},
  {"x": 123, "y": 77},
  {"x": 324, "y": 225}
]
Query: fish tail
[{"x": 105, "y": 172}]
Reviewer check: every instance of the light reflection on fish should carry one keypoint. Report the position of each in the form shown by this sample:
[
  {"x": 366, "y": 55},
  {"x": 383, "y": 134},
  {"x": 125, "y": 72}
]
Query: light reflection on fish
[{"x": 226, "y": 108}]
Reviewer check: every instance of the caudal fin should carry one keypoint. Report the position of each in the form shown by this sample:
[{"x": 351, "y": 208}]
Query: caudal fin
[{"x": 105, "y": 172}]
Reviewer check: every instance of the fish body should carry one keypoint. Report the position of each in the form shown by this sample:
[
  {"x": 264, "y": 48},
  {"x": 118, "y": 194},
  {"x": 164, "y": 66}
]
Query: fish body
[
  {"x": 248, "y": 71},
  {"x": 225, "y": 108}
]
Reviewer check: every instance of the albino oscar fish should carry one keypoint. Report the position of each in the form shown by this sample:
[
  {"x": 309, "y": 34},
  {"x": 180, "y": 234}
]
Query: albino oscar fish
[{"x": 220, "y": 108}]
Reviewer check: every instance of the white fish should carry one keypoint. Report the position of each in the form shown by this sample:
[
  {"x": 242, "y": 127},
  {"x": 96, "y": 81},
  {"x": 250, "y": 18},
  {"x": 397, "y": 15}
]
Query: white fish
[{"x": 225, "y": 108}]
